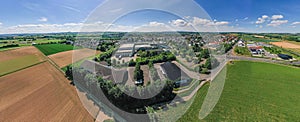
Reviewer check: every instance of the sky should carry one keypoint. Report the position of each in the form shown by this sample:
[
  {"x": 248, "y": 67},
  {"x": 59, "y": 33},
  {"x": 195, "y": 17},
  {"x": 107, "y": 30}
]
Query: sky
[{"x": 43, "y": 16}]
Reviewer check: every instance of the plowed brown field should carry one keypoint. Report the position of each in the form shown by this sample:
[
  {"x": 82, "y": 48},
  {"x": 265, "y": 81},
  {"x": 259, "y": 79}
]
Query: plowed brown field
[
  {"x": 39, "y": 93},
  {"x": 65, "y": 58}
]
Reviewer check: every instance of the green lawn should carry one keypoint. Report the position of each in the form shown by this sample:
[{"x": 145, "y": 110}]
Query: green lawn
[
  {"x": 175, "y": 112},
  {"x": 9, "y": 66},
  {"x": 242, "y": 51},
  {"x": 254, "y": 91},
  {"x": 49, "y": 49}
]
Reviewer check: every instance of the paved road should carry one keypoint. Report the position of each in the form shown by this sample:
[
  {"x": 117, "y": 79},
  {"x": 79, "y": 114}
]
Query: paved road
[{"x": 191, "y": 74}]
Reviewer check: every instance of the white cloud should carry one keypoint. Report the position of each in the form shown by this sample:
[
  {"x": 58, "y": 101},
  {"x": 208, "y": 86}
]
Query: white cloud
[
  {"x": 155, "y": 24},
  {"x": 43, "y": 19},
  {"x": 179, "y": 23},
  {"x": 200, "y": 21},
  {"x": 295, "y": 23},
  {"x": 1, "y": 23},
  {"x": 276, "y": 23},
  {"x": 261, "y": 19},
  {"x": 192, "y": 24},
  {"x": 265, "y": 16},
  {"x": 221, "y": 23},
  {"x": 206, "y": 22},
  {"x": 275, "y": 17},
  {"x": 246, "y": 18}
]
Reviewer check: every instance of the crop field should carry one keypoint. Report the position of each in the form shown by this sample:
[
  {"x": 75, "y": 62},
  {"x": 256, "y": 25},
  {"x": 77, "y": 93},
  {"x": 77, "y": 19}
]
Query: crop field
[
  {"x": 43, "y": 41},
  {"x": 18, "y": 63},
  {"x": 63, "y": 59},
  {"x": 255, "y": 91},
  {"x": 285, "y": 44},
  {"x": 257, "y": 39},
  {"x": 49, "y": 49},
  {"x": 13, "y": 60},
  {"x": 39, "y": 93}
]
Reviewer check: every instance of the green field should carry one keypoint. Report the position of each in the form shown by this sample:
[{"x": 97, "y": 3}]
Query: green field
[
  {"x": 43, "y": 41},
  {"x": 254, "y": 91},
  {"x": 9, "y": 66},
  {"x": 252, "y": 38},
  {"x": 49, "y": 49}
]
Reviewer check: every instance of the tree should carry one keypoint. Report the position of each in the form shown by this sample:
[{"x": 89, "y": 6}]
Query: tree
[
  {"x": 150, "y": 64},
  {"x": 211, "y": 63},
  {"x": 131, "y": 63},
  {"x": 138, "y": 73},
  {"x": 205, "y": 53},
  {"x": 69, "y": 73}
]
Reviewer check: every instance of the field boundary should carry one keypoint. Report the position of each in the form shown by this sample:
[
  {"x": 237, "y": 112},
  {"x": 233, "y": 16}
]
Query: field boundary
[{"x": 22, "y": 68}]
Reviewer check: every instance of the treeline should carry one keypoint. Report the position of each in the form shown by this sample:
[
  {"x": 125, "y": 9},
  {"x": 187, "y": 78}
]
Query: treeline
[
  {"x": 161, "y": 57},
  {"x": 105, "y": 56},
  {"x": 10, "y": 45},
  {"x": 209, "y": 64},
  {"x": 61, "y": 42},
  {"x": 105, "y": 46},
  {"x": 122, "y": 95}
]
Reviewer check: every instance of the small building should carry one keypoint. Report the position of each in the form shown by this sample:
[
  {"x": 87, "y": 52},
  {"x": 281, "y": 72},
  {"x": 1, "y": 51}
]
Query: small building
[
  {"x": 285, "y": 56},
  {"x": 173, "y": 72},
  {"x": 118, "y": 76},
  {"x": 241, "y": 43},
  {"x": 257, "y": 50}
]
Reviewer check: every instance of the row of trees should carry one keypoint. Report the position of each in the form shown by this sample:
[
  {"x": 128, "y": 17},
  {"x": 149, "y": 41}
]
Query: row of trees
[
  {"x": 161, "y": 57},
  {"x": 105, "y": 56},
  {"x": 105, "y": 46},
  {"x": 10, "y": 45}
]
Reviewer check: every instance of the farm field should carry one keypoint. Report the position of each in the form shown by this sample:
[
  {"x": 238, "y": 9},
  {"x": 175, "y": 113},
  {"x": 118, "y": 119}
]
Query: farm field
[
  {"x": 285, "y": 44},
  {"x": 63, "y": 59},
  {"x": 39, "y": 93},
  {"x": 13, "y": 60},
  {"x": 18, "y": 63},
  {"x": 257, "y": 39},
  {"x": 49, "y": 49},
  {"x": 43, "y": 41},
  {"x": 256, "y": 91}
]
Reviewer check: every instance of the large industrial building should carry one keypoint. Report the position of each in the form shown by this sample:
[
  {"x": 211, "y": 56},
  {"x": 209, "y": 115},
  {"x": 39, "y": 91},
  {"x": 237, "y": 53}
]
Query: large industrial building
[{"x": 128, "y": 50}]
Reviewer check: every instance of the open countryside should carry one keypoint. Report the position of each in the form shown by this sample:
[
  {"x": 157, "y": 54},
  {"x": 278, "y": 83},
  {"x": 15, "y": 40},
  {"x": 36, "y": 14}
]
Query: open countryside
[
  {"x": 285, "y": 44},
  {"x": 149, "y": 61},
  {"x": 40, "y": 92},
  {"x": 66, "y": 58},
  {"x": 254, "y": 91}
]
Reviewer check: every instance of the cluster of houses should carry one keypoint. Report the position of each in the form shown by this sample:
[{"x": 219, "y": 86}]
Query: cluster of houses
[{"x": 257, "y": 49}]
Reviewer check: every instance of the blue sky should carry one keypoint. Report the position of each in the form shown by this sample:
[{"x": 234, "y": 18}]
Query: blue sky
[{"x": 25, "y": 16}]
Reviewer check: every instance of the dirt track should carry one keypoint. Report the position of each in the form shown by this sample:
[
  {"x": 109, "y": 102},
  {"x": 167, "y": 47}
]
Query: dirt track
[
  {"x": 65, "y": 58},
  {"x": 15, "y": 53},
  {"x": 39, "y": 93},
  {"x": 285, "y": 44}
]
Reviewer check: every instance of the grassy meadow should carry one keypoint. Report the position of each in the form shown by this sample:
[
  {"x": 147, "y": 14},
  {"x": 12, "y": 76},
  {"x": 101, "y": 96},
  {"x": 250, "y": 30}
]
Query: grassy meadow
[
  {"x": 49, "y": 49},
  {"x": 254, "y": 91}
]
